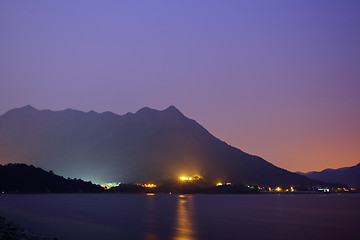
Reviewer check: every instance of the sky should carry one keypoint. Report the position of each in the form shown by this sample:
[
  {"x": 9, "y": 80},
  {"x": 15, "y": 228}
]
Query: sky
[{"x": 278, "y": 79}]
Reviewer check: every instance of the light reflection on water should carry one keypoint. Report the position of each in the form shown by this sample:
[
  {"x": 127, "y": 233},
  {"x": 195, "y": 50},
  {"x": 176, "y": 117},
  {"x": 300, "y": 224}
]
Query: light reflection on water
[
  {"x": 184, "y": 228},
  {"x": 188, "y": 217},
  {"x": 183, "y": 225},
  {"x": 150, "y": 220}
]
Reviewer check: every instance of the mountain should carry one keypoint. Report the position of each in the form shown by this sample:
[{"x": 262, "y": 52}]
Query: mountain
[
  {"x": 148, "y": 145},
  {"x": 348, "y": 175},
  {"x": 21, "y": 178}
]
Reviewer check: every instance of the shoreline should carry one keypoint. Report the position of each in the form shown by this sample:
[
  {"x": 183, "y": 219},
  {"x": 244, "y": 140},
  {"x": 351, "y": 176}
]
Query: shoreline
[{"x": 11, "y": 231}]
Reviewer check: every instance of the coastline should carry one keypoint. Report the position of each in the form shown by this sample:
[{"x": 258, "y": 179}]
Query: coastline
[{"x": 11, "y": 231}]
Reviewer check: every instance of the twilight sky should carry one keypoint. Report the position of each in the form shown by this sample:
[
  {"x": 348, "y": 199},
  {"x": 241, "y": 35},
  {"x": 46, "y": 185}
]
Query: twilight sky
[{"x": 279, "y": 79}]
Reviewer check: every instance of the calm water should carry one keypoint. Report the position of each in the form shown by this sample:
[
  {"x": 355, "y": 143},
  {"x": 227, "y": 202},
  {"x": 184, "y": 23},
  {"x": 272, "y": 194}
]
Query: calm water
[{"x": 136, "y": 216}]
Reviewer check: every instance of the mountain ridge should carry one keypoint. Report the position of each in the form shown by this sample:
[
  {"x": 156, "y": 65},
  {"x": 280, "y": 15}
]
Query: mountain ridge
[
  {"x": 142, "y": 146},
  {"x": 346, "y": 175}
]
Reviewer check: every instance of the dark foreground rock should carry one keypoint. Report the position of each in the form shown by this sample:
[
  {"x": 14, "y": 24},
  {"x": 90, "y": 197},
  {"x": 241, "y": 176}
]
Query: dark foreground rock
[{"x": 11, "y": 231}]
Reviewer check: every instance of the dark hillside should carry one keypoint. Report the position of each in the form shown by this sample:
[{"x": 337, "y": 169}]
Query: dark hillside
[{"x": 21, "y": 178}]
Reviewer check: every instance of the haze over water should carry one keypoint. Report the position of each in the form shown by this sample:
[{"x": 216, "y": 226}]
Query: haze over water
[{"x": 187, "y": 217}]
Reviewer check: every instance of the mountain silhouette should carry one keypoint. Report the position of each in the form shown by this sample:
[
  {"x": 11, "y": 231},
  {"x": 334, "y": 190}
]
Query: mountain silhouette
[
  {"x": 148, "y": 145},
  {"x": 348, "y": 175},
  {"x": 21, "y": 178}
]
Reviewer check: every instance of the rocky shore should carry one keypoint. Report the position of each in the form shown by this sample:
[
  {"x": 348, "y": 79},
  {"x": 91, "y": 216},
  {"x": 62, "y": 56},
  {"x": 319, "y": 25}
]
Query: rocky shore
[{"x": 12, "y": 231}]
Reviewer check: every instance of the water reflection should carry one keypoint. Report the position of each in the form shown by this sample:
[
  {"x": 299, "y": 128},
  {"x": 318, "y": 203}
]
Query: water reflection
[
  {"x": 150, "y": 233},
  {"x": 184, "y": 225}
]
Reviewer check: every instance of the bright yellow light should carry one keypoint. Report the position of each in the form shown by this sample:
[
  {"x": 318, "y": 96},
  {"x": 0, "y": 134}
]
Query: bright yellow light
[
  {"x": 219, "y": 184},
  {"x": 150, "y": 194},
  {"x": 194, "y": 178},
  {"x": 228, "y": 183},
  {"x": 278, "y": 189},
  {"x": 149, "y": 185},
  {"x": 292, "y": 189},
  {"x": 197, "y": 177}
]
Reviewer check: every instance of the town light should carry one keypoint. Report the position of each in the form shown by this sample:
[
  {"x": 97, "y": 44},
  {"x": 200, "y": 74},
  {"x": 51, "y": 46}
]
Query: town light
[
  {"x": 149, "y": 185},
  {"x": 187, "y": 178},
  {"x": 184, "y": 178}
]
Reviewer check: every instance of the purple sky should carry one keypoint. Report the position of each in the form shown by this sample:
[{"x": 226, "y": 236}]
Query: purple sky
[{"x": 279, "y": 79}]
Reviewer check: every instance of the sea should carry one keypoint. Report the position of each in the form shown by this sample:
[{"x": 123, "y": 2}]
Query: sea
[{"x": 186, "y": 217}]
